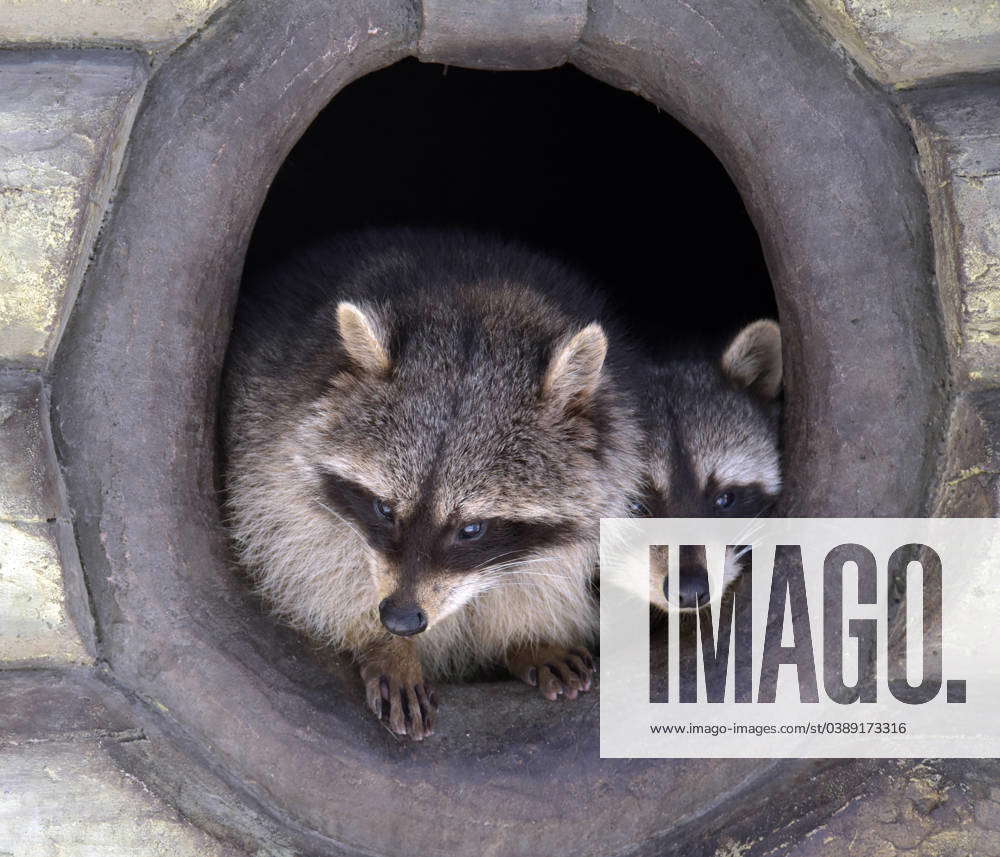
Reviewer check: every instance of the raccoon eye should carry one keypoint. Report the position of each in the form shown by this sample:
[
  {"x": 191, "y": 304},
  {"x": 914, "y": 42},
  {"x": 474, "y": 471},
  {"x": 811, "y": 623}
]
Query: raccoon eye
[
  {"x": 384, "y": 510},
  {"x": 472, "y": 530},
  {"x": 724, "y": 500},
  {"x": 638, "y": 509}
]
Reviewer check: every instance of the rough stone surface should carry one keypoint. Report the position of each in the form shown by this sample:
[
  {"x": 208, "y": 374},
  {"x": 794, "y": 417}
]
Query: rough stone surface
[
  {"x": 516, "y": 34},
  {"x": 42, "y": 598},
  {"x": 27, "y": 466},
  {"x": 62, "y": 794},
  {"x": 35, "y": 625},
  {"x": 902, "y": 42},
  {"x": 64, "y": 118},
  {"x": 930, "y": 809},
  {"x": 957, "y": 131},
  {"x": 970, "y": 483},
  {"x": 150, "y": 23}
]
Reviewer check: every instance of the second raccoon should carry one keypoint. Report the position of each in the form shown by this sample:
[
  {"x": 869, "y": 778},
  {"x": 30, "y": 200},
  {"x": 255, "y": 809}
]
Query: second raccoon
[{"x": 712, "y": 445}]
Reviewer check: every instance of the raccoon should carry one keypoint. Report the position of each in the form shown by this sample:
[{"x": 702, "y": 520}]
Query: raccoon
[
  {"x": 422, "y": 430},
  {"x": 712, "y": 446}
]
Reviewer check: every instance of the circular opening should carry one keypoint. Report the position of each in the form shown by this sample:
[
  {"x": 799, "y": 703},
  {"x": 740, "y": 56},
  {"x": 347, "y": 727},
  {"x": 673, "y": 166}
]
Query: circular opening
[
  {"x": 583, "y": 171},
  {"x": 594, "y": 175},
  {"x": 591, "y": 174}
]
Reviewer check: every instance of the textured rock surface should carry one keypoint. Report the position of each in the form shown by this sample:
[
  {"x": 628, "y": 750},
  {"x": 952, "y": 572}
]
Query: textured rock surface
[
  {"x": 35, "y": 626},
  {"x": 35, "y": 623},
  {"x": 957, "y": 131},
  {"x": 64, "y": 118},
  {"x": 150, "y": 23},
  {"x": 970, "y": 485},
  {"x": 518, "y": 34},
  {"x": 62, "y": 792},
  {"x": 932, "y": 809},
  {"x": 27, "y": 469},
  {"x": 902, "y": 42}
]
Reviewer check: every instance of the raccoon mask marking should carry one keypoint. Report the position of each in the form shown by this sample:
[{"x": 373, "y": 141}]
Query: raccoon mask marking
[
  {"x": 417, "y": 475},
  {"x": 712, "y": 447}
]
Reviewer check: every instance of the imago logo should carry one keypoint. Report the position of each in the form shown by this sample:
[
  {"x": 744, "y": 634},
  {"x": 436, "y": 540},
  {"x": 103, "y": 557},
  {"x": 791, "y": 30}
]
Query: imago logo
[{"x": 799, "y": 637}]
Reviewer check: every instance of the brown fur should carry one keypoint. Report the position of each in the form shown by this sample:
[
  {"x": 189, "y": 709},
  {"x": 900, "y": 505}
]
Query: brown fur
[{"x": 399, "y": 389}]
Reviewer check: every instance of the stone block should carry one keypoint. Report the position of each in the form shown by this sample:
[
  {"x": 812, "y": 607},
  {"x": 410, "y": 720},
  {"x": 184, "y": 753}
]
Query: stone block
[
  {"x": 64, "y": 121},
  {"x": 27, "y": 472},
  {"x": 957, "y": 131},
  {"x": 35, "y": 624},
  {"x": 970, "y": 484},
  {"x": 68, "y": 798},
  {"x": 903, "y": 42},
  {"x": 149, "y": 23}
]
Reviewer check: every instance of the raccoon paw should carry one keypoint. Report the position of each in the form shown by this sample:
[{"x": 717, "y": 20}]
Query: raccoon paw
[
  {"x": 401, "y": 700},
  {"x": 554, "y": 670}
]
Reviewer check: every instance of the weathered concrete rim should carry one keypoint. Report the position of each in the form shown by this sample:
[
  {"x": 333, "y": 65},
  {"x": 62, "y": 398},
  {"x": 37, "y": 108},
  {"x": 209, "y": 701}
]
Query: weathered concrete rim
[
  {"x": 826, "y": 170},
  {"x": 518, "y": 34}
]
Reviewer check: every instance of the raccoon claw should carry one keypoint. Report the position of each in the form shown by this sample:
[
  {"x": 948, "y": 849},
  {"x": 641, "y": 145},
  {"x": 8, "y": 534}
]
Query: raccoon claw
[
  {"x": 407, "y": 708},
  {"x": 554, "y": 671}
]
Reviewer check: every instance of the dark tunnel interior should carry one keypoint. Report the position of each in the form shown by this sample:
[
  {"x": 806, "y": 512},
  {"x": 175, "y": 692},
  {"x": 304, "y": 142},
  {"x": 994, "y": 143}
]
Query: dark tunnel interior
[{"x": 588, "y": 172}]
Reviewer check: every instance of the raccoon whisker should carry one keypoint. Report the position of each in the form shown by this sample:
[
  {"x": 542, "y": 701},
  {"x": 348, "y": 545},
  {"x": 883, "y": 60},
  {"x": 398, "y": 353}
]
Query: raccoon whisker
[
  {"x": 745, "y": 546},
  {"x": 746, "y": 538},
  {"x": 513, "y": 584},
  {"x": 346, "y": 523},
  {"x": 754, "y": 525},
  {"x": 504, "y": 570},
  {"x": 539, "y": 574},
  {"x": 513, "y": 563},
  {"x": 484, "y": 591},
  {"x": 494, "y": 559}
]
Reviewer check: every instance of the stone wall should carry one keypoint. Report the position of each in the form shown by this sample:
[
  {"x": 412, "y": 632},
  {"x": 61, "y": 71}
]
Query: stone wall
[
  {"x": 65, "y": 118},
  {"x": 72, "y": 77}
]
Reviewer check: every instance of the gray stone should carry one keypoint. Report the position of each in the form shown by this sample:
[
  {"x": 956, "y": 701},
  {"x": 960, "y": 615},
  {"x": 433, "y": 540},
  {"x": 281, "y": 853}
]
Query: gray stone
[
  {"x": 970, "y": 485},
  {"x": 44, "y": 705},
  {"x": 36, "y": 628},
  {"x": 517, "y": 34},
  {"x": 75, "y": 710},
  {"x": 937, "y": 809},
  {"x": 28, "y": 490},
  {"x": 903, "y": 42},
  {"x": 64, "y": 120},
  {"x": 957, "y": 131},
  {"x": 145, "y": 23},
  {"x": 61, "y": 791},
  {"x": 44, "y": 612}
]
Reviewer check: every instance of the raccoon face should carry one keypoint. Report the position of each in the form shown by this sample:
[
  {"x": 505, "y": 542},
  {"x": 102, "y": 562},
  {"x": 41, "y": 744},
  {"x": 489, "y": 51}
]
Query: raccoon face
[
  {"x": 713, "y": 449},
  {"x": 461, "y": 451},
  {"x": 426, "y": 567}
]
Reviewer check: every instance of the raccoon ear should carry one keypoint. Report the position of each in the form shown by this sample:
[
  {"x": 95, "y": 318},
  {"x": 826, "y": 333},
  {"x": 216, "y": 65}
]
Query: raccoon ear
[
  {"x": 362, "y": 338},
  {"x": 753, "y": 359},
  {"x": 575, "y": 367}
]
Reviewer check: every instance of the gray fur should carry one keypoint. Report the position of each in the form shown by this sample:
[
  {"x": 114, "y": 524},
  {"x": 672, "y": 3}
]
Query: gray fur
[
  {"x": 711, "y": 428},
  {"x": 465, "y": 424}
]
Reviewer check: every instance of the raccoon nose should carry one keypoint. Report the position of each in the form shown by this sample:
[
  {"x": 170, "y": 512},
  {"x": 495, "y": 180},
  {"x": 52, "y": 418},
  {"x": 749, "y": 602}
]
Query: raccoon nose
[
  {"x": 405, "y": 620},
  {"x": 692, "y": 591}
]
